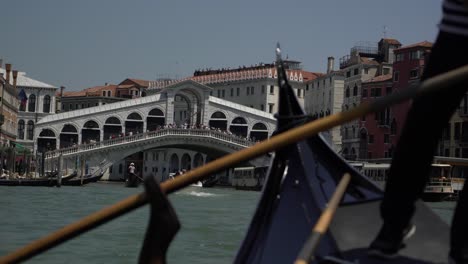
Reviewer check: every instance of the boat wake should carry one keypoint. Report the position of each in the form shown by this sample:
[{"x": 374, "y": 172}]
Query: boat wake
[{"x": 200, "y": 194}]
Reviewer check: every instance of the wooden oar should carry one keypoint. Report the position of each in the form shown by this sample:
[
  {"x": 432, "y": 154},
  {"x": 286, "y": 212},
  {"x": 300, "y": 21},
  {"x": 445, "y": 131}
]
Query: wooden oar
[
  {"x": 443, "y": 81},
  {"x": 307, "y": 252}
]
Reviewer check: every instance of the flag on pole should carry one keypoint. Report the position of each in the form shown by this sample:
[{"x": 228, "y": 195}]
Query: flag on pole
[{"x": 22, "y": 97}]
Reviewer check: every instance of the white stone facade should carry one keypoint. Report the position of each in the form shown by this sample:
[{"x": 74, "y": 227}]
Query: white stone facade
[{"x": 324, "y": 96}]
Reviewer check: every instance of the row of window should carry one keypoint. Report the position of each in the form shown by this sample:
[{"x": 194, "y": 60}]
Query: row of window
[
  {"x": 29, "y": 129},
  {"x": 31, "y": 103},
  {"x": 67, "y": 107},
  {"x": 460, "y": 131},
  {"x": 413, "y": 55},
  {"x": 317, "y": 83},
  {"x": 251, "y": 91},
  {"x": 413, "y": 74},
  {"x": 376, "y": 91}
]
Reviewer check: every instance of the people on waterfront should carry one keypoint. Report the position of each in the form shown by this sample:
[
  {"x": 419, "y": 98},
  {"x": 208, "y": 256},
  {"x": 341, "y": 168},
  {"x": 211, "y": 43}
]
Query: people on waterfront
[{"x": 423, "y": 128}]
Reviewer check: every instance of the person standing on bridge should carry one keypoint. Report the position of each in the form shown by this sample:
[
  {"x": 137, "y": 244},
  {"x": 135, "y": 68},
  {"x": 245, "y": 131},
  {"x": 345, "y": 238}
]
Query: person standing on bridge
[{"x": 424, "y": 125}]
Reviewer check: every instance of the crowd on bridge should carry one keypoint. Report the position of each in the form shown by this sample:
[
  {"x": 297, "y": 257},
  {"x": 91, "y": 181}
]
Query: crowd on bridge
[{"x": 185, "y": 126}]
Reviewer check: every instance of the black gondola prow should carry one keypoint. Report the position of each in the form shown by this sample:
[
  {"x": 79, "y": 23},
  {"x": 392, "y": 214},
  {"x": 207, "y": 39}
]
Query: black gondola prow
[{"x": 163, "y": 224}]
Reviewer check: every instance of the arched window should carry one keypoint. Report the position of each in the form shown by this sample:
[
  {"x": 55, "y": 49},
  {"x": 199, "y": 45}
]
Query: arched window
[
  {"x": 21, "y": 129},
  {"x": 32, "y": 103},
  {"x": 259, "y": 126},
  {"x": 156, "y": 112},
  {"x": 30, "y": 128},
  {"x": 46, "y": 106},
  {"x": 91, "y": 124},
  {"x": 347, "y": 91},
  {"x": 218, "y": 115},
  {"x": 134, "y": 116},
  {"x": 113, "y": 120},
  {"x": 69, "y": 128},
  {"x": 355, "y": 90},
  {"x": 47, "y": 133}
]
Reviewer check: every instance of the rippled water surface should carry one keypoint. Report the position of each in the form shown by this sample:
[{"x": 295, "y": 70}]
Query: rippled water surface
[{"x": 213, "y": 222}]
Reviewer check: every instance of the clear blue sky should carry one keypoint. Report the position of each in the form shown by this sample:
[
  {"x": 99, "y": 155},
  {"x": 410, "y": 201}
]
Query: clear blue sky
[{"x": 85, "y": 43}]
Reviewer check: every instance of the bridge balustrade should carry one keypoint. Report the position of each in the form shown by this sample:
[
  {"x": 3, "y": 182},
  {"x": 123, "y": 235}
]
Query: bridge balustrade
[{"x": 150, "y": 135}]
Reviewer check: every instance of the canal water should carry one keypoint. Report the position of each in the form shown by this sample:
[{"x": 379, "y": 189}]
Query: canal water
[{"x": 213, "y": 222}]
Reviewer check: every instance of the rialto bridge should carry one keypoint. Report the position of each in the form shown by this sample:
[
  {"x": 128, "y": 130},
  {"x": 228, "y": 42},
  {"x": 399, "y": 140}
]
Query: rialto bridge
[{"x": 183, "y": 116}]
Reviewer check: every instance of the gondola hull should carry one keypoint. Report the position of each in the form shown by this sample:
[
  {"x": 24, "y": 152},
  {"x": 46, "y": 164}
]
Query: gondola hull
[
  {"x": 78, "y": 181},
  {"x": 301, "y": 181}
]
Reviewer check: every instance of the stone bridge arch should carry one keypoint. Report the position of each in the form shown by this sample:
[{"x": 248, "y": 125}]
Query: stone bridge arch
[{"x": 103, "y": 158}]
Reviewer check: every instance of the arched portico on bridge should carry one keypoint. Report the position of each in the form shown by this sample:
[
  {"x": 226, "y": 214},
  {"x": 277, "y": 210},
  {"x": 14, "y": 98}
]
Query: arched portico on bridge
[
  {"x": 186, "y": 103},
  {"x": 68, "y": 136},
  {"x": 91, "y": 132},
  {"x": 155, "y": 119},
  {"x": 112, "y": 127},
  {"x": 218, "y": 120},
  {"x": 134, "y": 124},
  {"x": 46, "y": 141}
]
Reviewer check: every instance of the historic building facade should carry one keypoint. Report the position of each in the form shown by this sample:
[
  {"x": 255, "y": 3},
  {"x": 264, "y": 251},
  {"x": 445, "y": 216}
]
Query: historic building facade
[
  {"x": 9, "y": 106},
  {"x": 365, "y": 61},
  {"x": 324, "y": 96},
  {"x": 255, "y": 86},
  {"x": 380, "y": 132},
  {"x": 37, "y": 100}
]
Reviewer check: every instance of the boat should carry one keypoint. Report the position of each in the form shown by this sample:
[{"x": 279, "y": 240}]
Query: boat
[
  {"x": 210, "y": 182},
  {"x": 77, "y": 181},
  {"x": 132, "y": 180},
  {"x": 249, "y": 178},
  {"x": 197, "y": 184},
  {"x": 439, "y": 186},
  {"x": 299, "y": 184},
  {"x": 47, "y": 181}
]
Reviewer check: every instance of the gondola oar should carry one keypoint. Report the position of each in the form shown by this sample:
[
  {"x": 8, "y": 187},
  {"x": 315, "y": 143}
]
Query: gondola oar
[
  {"x": 437, "y": 83},
  {"x": 307, "y": 252}
]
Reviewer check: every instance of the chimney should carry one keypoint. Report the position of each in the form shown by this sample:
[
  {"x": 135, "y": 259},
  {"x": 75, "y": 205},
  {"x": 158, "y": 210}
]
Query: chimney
[
  {"x": 15, "y": 75},
  {"x": 1, "y": 63},
  {"x": 330, "y": 64},
  {"x": 61, "y": 91},
  {"x": 8, "y": 70}
]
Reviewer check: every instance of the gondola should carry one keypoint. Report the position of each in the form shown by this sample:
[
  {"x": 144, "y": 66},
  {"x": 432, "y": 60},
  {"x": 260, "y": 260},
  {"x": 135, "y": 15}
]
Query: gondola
[
  {"x": 132, "y": 180},
  {"x": 77, "y": 181},
  {"x": 47, "y": 181},
  {"x": 301, "y": 180}
]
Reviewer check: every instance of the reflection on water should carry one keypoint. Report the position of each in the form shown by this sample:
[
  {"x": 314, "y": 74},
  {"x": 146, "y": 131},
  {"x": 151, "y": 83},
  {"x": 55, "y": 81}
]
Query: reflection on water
[{"x": 213, "y": 222}]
